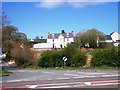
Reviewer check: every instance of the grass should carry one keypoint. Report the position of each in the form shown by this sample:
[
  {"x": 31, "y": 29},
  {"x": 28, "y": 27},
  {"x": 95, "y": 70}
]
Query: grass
[{"x": 5, "y": 72}]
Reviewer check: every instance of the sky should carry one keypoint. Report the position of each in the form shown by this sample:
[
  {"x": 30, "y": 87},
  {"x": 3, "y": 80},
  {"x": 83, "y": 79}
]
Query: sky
[{"x": 39, "y": 18}]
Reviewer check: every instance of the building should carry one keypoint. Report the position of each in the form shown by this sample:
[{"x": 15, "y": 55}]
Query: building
[
  {"x": 54, "y": 41},
  {"x": 42, "y": 46},
  {"x": 108, "y": 39},
  {"x": 113, "y": 38},
  {"x": 60, "y": 40}
]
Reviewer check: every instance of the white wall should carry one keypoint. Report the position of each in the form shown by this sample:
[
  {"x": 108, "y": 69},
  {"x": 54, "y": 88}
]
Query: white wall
[
  {"x": 60, "y": 41},
  {"x": 115, "y": 36}
]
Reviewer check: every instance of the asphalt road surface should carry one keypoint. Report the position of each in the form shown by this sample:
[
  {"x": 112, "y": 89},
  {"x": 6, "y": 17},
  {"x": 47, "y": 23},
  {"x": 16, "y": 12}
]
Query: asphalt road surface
[{"x": 41, "y": 79}]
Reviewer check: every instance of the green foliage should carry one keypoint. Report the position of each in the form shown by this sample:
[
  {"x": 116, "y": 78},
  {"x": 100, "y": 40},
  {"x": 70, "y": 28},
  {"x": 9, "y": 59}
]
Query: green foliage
[
  {"x": 69, "y": 52},
  {"x": 55, "y": 58},
  {"x": 89, "y": 37},
  {"x": 79, "y": 59},
  {"x": 51, "y": 59},
  {"x": 106, "y": 57},
  {"x": 5, "y": 72}
]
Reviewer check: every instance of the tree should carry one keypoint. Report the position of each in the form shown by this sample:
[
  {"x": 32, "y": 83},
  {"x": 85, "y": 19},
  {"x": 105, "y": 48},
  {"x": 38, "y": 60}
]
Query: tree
[
  {"x": 4, "y": 20},
  {"x": 20, "y": 36},
  {"x": 41, "y": 37},
  {"x": 63, "y": 31},
  {"x": 22, "y": 55},
  {"x": 89, "y": 38},
  {"x": 8, "y": 33},
  {"x": 10, "y": 36}
]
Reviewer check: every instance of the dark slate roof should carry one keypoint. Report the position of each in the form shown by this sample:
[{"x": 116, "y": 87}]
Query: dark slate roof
[
  {"x": 111, "y": 33},
  {"x": 108, "y": 37},
  {"x": 56, "y": 35}
]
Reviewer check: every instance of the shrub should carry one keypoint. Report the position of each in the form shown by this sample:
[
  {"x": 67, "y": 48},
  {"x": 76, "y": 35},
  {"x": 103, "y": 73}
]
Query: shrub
[
  {"x": 107, "y": 57},
  {"x": 79, "y": 59},
  {"x": 51, "y": 59},
  {"x": 55, "y": 58},
  {"x": 22, "y": 56}
]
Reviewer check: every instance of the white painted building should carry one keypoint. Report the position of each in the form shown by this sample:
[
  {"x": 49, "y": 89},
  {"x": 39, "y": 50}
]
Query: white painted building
[
  {"x": 42, "y": 46},
  {"x": 60, "y": 40},
  {"x": 114, "y": 38}
]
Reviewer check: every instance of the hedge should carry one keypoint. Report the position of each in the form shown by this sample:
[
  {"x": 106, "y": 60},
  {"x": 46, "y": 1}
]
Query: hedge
[
  {"x": 54, "y": 58},
  {"x": 106, "y": 57}
]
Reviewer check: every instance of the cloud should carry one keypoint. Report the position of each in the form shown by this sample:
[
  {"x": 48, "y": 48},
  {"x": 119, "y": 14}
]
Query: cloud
[
  {"x": 51, "y": 4},
  {"x": 82, "y": 4}
]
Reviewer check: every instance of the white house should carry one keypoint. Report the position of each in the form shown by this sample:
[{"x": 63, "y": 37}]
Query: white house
[
  {"x": 114, "y": 38},
  {"x": 54, "y": 41},
  {"x": 60, "y": 40}
]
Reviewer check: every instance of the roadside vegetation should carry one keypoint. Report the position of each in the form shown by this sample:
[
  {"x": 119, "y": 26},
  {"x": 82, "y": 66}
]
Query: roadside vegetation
[
  {"x": 17, "y": 47},
  {"x": 5, "y": 72},
  {"x": 55, "y": 58},
  {"x": 108, "y": 56}
]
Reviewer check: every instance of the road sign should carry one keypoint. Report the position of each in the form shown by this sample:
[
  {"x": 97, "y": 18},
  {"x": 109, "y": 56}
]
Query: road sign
[{"x": 64, "y": 59}]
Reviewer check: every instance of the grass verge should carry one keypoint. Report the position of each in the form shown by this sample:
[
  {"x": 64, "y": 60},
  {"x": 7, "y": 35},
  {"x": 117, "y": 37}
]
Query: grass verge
[{"x": 5, "y": 72}]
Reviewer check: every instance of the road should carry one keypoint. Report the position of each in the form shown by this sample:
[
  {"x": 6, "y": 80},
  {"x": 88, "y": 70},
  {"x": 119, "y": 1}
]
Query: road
[{"x": 62, "y": 79}]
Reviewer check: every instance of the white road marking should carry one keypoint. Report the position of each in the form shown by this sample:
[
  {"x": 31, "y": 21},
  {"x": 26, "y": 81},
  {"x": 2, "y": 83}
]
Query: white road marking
[
  {"x": 85, "y": 77},
  {"x": 33, "y": 86},
  {"x": 110, "y": 75},
  {"x": 62, "y": 78},
  {"x": 95, "y": 73},
  {"x": 49, "y": 72},
  {"x": 90, "y": 73},
  {"x": 97, "y": 83},
  {"x": 96, "y": 76},
  {"x": 18, "y": 80},
  {"x": 88, "y": 83},
  {"x": 71, "y": 75},
  {"x": 57, "y": 87}
]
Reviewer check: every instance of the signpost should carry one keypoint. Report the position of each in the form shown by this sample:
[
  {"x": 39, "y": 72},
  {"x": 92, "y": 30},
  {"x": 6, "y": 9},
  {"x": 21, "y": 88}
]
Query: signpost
[{"x": 64, "y": 59}]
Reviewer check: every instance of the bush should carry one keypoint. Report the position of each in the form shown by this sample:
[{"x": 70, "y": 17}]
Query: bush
[
  {"x": 22, "y": 56},
  {"x": 107, "y": 57},
  {"x": 79, "y": 59},
  {"x": 55, "y": 58},
  {"x": 51, "y": 59},
  {"x": 69, "y": 52}
]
